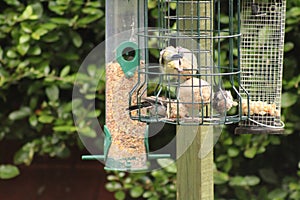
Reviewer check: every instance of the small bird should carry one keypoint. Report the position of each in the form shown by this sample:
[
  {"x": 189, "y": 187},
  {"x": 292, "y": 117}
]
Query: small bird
[
  {"x": 223, "y": 101},
  {"x": 194, "y": 93},
  {"x": 178, "y": 60},
  {"x": 161, "y": 107},
  {"x": 155, "y": 105}
]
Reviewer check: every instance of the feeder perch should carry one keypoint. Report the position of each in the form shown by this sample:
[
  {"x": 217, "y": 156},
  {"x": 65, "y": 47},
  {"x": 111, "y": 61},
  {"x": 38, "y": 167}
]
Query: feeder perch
[{"x": 262, "y": 43}]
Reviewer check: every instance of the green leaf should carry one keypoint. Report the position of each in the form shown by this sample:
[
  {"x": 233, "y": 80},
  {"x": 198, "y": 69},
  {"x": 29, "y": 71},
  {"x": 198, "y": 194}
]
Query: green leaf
[
  {"x": 233, "y": 151},
  {"x": 69, "y": 55},
  {"x": 112, "y": 178},
  {"x": 33, "y": 120},
  {"x": 95, "y": 4},
  {"x": 113, "y": 186},
  {"x": 26, "y": 13},
  {"x": 53, "y": 37},
  {"x": 237, "y": 181},
  {"x": 244, "y": 181},
  {"x": 94, "y": 114},
  {"x": 8, "y": 171},
  {"x": 92, "y": 11},
  {"x": 65, "y": 71},
  {"x": 49, "y": 26},
  {"x": 288, "y": 99},
  {"x": 89, "y": 19},
  {"x": 120, "y": 195},
  {"x": 277, "y": 194},
  {"x": 76, "y": 39},
  {"x": 288, "y": 46},
  {"x": 64, "y": 128},
  {"x": 37, "y": 34},
  {"x": 250, "y": 153},
  {"x": 34, "y": 51},
  {"x": 25, "y": 154},
  {"x": 23, "y": 48},
  {"x": 11, "y": 54},
  {"x": 92, "y": 70},
  {"x": 252, "y": 180},
  {"x": 268, "y": 175},
  {"x": 55, "y": 7},
  {"x": 52, "y": 93},
  {"x": 24, "y": 38},
  {"x": 167, "y": 164},
  {"x": 26, "y": 27},
  {"x": 293, "y": 12},
  {"x": 12, "y": 2},
  {"x": 88, "y": 132},
  {"x": 136, "y": 191},
  {"x": 20, "y": 114},
  {"x": 46, "y": 119},
  {"x": 220, "y": 177},
  {"x": 60, "y": 20}
]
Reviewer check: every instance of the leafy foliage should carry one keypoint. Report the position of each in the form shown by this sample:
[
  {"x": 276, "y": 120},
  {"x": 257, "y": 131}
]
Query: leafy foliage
[
  {"x": 42, "y": 46},
  {"x": 158, "y": 184}
]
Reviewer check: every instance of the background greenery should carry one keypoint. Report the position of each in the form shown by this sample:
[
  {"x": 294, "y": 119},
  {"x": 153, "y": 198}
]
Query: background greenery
[{"x": 42, "y": 44}]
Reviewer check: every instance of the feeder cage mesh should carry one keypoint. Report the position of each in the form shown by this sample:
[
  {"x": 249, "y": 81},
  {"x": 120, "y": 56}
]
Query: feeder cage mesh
[
  {"x": 195, "y": 30},
  {"x": 262, "y": 27}
]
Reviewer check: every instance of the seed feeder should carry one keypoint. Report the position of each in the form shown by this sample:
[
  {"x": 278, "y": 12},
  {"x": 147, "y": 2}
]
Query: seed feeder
[
  {"x": 262, "y": 42},
  {"x": 126, "y": 141}
]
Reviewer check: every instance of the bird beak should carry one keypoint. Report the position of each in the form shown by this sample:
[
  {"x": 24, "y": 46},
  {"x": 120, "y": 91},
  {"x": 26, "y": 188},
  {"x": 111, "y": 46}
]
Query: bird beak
[{"x": 176, "y": 57}]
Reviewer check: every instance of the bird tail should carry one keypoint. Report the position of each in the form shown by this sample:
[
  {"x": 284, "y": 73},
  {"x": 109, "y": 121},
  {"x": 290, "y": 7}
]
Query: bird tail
[{"x": 139, "y": 106}]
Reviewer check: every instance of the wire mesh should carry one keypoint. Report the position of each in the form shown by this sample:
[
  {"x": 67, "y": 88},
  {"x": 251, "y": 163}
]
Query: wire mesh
[
  {"x": 190, "y": 87},
  {"x": 262, "y": 27}
]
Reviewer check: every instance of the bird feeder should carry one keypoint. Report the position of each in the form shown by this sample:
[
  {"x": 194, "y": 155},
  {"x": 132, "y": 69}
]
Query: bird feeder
[
  {"x": 183, "y": 78},
  {"x": 262, "y": 43},
  {"x": 126, "y": 141},
  {"x": 204, "y": 63}
]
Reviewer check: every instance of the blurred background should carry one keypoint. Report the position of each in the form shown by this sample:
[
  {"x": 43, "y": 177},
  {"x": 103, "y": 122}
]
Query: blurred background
[{"x": 42, "y": 45}]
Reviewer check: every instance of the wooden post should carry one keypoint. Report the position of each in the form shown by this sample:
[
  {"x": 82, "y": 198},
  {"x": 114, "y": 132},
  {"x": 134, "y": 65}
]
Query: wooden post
[{"x": 195, "y": 173}]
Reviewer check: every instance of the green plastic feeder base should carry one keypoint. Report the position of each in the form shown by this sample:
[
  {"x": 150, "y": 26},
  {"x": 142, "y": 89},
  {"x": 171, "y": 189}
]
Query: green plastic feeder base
[{"x": 122, "y": 164}]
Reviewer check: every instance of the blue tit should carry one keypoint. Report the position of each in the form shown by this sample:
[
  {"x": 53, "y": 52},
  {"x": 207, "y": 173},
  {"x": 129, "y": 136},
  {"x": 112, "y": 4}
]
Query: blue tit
[
  {"x": 156, "y": 106},
  {"x": 161, "y": 107},
  {"x": 178, "y": 60}
]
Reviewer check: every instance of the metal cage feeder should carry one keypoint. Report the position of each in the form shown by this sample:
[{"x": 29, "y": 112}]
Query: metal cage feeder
[
  {"x": 262, "y": 42},
  {"x": 189, "y": 88}
]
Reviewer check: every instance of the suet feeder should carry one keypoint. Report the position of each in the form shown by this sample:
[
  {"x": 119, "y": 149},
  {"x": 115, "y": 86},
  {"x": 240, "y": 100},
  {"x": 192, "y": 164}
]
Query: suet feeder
[{"x": 262, "y": 43}]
